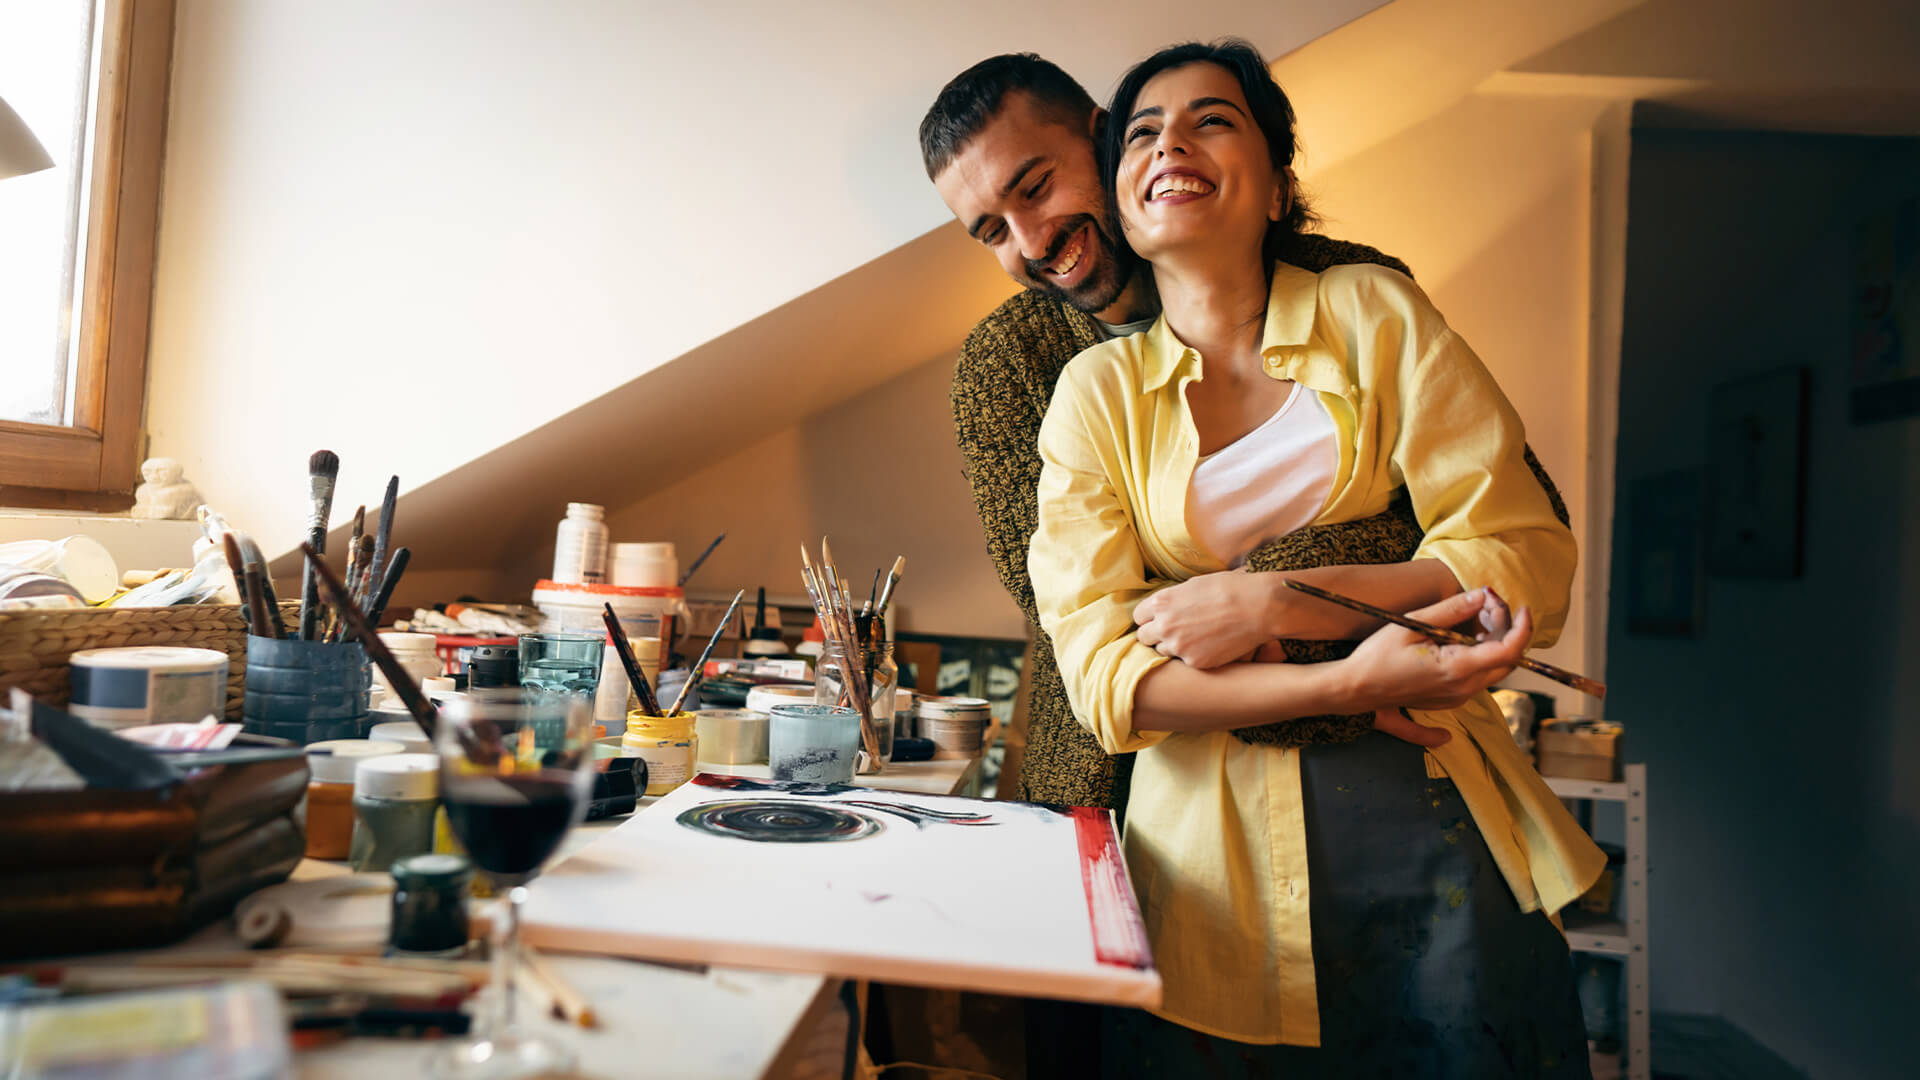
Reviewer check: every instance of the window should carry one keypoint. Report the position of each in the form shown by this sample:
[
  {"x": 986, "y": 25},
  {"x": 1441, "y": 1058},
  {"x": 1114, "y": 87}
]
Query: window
[{"x": 89, "y": 78}]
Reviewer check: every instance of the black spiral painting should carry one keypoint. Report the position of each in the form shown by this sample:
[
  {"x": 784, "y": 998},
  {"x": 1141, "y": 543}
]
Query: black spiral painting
[{"x": 780, "y": 822}]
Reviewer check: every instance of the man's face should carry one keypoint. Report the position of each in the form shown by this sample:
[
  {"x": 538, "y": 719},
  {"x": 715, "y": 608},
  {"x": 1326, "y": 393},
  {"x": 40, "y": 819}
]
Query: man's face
[{"x": 1027, "y": 187}]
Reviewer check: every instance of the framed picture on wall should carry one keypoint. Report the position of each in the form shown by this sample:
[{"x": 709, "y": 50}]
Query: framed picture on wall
[
  {"x": 1885, "y": 352},
  {"x": 1757, "y": 482},
  {"x": 1666, "y": 583}
]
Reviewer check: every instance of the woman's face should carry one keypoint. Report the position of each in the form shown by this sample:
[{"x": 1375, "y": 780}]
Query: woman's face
[{"x": 1194, "y": 169}]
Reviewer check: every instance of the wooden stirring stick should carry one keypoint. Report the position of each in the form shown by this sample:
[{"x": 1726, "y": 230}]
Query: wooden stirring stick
[{"x": 1453, "y": 637}]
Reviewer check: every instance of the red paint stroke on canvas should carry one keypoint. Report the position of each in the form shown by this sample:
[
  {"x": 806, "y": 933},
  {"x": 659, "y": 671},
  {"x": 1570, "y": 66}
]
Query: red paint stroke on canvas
[{"x": 1119, "y": 937}]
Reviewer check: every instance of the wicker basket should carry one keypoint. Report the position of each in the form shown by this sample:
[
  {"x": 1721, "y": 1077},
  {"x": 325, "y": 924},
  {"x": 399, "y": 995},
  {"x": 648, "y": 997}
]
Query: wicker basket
[{"x": 35, "y": 645}]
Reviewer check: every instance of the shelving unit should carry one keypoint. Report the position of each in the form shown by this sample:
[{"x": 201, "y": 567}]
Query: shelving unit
[{"x": 1598, "y": 934}]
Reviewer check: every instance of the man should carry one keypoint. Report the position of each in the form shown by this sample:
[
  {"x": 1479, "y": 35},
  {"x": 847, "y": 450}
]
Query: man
[{"x": 1009, "y": 144}]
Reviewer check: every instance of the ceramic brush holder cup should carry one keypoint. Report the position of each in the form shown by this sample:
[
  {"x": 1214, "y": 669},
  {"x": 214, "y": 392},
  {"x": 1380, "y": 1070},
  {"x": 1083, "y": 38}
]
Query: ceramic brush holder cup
[{"x": 305, "y": 691}]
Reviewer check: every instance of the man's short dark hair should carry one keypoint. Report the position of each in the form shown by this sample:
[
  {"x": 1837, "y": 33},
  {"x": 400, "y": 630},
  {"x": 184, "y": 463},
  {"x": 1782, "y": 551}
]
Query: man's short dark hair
[{"x": 975, "y": 96}]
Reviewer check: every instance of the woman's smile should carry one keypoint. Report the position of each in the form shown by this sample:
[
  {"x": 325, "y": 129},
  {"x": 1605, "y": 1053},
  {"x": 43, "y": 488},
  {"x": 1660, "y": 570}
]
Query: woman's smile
[{"x": 1178, "y": 185}]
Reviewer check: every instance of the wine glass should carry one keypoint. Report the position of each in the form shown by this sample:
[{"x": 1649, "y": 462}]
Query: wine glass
[{"x": 516, "y": 772}]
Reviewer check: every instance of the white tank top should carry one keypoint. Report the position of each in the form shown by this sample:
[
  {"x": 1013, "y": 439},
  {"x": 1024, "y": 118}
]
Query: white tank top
[{"x": 1267, "y": 483}]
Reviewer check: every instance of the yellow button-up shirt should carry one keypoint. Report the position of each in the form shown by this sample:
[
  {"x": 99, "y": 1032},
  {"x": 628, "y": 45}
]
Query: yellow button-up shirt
[{"x": 1215, "y": 836}]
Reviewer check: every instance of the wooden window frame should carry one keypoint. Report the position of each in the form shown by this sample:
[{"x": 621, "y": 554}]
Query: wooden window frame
[{"x": 94, "y": 463}]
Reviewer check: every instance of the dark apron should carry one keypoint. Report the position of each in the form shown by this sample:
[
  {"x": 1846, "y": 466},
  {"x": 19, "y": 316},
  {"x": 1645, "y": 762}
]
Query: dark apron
[{"x": 1423, "y": 963}]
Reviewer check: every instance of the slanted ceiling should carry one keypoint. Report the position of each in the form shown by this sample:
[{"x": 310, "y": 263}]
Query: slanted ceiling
[{"x": 1361, "y": 73}]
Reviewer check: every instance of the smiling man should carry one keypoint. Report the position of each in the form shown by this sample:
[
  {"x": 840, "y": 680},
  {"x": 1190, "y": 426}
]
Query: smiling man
[{"x": 1009, "y": 144}]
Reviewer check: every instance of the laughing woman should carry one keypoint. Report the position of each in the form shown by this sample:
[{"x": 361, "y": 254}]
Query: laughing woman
[{"x": 1306, "y": 885}]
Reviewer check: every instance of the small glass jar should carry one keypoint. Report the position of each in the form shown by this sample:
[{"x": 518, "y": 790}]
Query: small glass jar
[
  {"x": 882, "y": 676},
  {"x": 430, "y": 906},
  {"x": 394, "y": 801}
]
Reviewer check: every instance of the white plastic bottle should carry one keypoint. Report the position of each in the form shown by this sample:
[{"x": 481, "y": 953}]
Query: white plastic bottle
[{"x": 580, "y": 546}]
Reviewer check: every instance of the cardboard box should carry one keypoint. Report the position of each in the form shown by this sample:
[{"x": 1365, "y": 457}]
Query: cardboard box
[{"x": 1583, "y": 751}]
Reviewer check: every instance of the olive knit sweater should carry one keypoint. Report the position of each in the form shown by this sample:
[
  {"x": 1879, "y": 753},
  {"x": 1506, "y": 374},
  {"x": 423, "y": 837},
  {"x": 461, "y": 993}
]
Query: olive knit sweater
[{"x": 1002, "y": 385}]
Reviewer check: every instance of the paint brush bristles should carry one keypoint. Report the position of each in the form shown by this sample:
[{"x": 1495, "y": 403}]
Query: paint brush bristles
[
  {"x": 893, "y": 582},
  {"x": 834, "y": 604},
  {"x": 323, "y": 468},
  {"x": 693, "y": 675},
  {"x": 1452, "y": 637}
]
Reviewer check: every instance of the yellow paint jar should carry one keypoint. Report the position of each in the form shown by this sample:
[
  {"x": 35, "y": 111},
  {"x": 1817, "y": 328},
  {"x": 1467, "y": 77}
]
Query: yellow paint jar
[{"x": 668, "y": 744}]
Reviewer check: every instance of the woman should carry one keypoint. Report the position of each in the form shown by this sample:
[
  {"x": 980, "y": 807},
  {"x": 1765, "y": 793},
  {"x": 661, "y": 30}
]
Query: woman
[{"x": 1267, "y": 399}]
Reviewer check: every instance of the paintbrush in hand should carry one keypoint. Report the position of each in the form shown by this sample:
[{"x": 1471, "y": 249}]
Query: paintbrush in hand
[
  {"x": 402, "y": 683},
  {"x": 1451, "y": 637},
  {"x": 700, "y": 665},
  {"x": 636, "y": 677},
  {"x": 323, "y": 468}
]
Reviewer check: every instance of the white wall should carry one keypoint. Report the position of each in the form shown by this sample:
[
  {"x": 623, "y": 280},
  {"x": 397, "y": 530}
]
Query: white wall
[
  {"x": 412, "y": 232},
  {"x": 880, "y": 474},
  {"x": 1782, "y": 760},
  {"x": 1487, "y": 203}
]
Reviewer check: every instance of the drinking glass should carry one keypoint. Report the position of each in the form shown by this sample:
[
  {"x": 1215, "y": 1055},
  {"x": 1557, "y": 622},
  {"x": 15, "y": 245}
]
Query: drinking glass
[
  {"x": 561, "y": 665},
  {"x": 512, "y": 790}
]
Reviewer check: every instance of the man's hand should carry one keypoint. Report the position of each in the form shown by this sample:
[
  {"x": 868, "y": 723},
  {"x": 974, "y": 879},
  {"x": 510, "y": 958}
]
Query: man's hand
[
  {"x": 1399, "y": 667},
  {"x": 1209, "y": 621}
]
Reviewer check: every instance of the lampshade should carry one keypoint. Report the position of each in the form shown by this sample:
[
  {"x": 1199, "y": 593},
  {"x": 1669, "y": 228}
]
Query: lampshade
[{"x": 20, "y": 152}]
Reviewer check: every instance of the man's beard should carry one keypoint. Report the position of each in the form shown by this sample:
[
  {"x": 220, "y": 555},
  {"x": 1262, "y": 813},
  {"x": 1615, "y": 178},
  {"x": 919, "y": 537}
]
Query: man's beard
[{"x": 1111, "y": 271}]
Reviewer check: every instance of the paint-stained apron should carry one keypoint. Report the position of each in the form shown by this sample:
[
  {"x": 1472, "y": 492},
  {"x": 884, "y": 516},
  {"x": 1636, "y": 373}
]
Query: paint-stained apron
[{"x": 1424, "y": 964}]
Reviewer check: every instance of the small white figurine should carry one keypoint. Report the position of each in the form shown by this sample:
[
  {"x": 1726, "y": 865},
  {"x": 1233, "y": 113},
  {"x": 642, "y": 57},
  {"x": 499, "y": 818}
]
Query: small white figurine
[{"x": 166, "y": 495}]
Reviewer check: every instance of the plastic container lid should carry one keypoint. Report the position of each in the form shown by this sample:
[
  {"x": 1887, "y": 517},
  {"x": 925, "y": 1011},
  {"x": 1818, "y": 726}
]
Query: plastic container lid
[
  {"x": 334, "y": 761},
  {"x": 398, "y": 776},
  {"x": 433, "y": 870},
  {"x": 592, "y": 510},
  {"x": 762, "y": 699},
  {"x": 411, "y": 738},
  {"x": 173, "y": 658},
  {"x": 649, "y": 550},
  {"x": 955, "y": 708},
  {"x": 402, "y": 641},
  {"x": 642, "y": 725}
]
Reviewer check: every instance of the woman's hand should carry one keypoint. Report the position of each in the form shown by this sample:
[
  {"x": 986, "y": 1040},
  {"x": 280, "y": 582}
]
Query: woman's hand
[
  {"x": 1208, "y": 621},
  {"x": 1398, "y": 667}
]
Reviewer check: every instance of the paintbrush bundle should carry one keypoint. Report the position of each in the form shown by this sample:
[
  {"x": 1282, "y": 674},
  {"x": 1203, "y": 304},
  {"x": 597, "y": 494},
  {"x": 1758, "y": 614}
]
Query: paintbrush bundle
[
  {"x": 852, "y": 633},
  {"x": 372, "y": 570}
]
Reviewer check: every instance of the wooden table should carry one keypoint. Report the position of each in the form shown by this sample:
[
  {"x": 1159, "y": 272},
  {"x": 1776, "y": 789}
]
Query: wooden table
[{"x": 655, "y": 1020}]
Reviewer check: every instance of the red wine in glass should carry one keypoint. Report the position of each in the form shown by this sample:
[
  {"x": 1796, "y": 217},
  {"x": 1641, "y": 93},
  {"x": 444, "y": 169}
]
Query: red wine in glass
[{"x": 511, "y": 825}]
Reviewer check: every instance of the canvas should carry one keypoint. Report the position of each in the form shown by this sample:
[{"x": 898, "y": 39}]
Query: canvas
[{"x": 968, "y": 894}]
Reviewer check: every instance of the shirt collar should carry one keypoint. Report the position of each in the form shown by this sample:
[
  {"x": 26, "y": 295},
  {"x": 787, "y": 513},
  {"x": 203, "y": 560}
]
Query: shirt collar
[{"x": 1291, "y": 303}]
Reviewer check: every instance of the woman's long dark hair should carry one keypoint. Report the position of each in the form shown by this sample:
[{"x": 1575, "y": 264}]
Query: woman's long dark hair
[{"x": 1266, "y": 103}]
